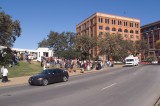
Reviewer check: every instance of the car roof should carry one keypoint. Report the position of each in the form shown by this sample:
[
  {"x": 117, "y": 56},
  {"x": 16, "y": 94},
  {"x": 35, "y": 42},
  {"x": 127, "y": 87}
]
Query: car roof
[{"x": 49, "y": 69}]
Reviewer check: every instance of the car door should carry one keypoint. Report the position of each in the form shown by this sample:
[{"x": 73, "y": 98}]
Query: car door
[
  {"x": 50, "y": 75},
  {"x": 59, "y": 74},
  {"x": 53, "y": 76}
]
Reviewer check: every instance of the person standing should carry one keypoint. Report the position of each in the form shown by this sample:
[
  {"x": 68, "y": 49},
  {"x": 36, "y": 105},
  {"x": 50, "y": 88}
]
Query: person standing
[
  {"x": 2, "y": 68},
  {"x": 5, "y": 73}
]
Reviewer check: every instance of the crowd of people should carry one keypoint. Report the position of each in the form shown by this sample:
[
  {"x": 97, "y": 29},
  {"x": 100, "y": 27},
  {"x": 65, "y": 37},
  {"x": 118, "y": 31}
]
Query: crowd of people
[
  {"x": 85, "y": 65},
  {"x": 66, "y": 63}
]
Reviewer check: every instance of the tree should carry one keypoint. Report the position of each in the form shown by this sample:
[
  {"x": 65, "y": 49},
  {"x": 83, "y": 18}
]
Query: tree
[
  {"x": 6, "y": 55},
  {"x": 111, "y": 45},
  {"x": 126, "y": 49},
  {"x": 43, "y": 43},
  {"x": 9, "y": 30},
  {"x": 63, "y": 44},
  {"x": 85, "y": 43},
  {"x": 114, "y": 47},
  {"x": 140, "y": 45},
  {"x": 158, "y": 44}
]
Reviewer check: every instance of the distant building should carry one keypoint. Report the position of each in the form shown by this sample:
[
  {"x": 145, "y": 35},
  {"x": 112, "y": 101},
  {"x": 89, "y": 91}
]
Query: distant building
[
  {"x": 151, "y": 33},
  {"x": 46, "y": 52},
  {"x": 1, "y": 48},
  {"x": 37, "y": 54},
  {"x": 99, "y": 24}
]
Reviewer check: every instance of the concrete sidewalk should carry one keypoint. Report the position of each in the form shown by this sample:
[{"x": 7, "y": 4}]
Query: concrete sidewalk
[{"x": 24, "y": 79}]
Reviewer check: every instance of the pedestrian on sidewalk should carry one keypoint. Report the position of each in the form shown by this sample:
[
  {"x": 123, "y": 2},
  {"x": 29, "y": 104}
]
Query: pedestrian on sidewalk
[{"x": 4, "y": 75}]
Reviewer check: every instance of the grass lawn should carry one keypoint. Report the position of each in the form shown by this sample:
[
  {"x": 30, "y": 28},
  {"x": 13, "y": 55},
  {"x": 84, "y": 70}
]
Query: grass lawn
[{"x": 24, "y": 69}]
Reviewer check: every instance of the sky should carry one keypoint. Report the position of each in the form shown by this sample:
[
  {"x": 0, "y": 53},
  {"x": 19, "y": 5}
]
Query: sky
[{"x": 39, "y": 17}]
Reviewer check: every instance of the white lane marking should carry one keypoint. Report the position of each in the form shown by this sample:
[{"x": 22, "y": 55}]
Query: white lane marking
[{"x": 108, "y": 86}]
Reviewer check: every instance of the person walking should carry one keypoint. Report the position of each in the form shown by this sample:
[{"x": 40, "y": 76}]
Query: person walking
[{"x": 5, "y": 73}]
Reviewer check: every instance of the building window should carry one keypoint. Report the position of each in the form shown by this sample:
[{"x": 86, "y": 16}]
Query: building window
[
  {"x": 150, "y": 29},
  {"x": 107, "y": 21},
  {"x": 100, "y": 27},
  {"x": 145, "y": 31},
  {"x": 107, "y": 28},
  {"x": 125, "y": 23},
  {"x": 155, "y": 27},
  {"x": 126, "y": 31},
  {"x": 113, "y": 22},
  {"x": 131, "y": 36},
  {"x": 136, "y": 25},
  {"x": 137, "y": 37},
  {"x": 113, "y": 29},
  {"x": 84, "y": 26},
  {"x": 91, "y": 22},
  {"x": 126, "y": 36},
  {"x": 119, "y": 30},
  {"x": 137, "y": 32},
  {"x": 119, "y": 22},
  {"x": 131, "y": 24},
  {"x": 100, "y": 20},
  {"x": 131, "y": 31},
  {"x": 91, "y": 30}
]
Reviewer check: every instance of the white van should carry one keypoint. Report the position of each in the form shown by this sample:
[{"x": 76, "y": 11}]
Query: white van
[{"x": 131, "y": 61}]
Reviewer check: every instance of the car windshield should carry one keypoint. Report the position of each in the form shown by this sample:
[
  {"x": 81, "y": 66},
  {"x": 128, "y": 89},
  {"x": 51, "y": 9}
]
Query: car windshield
[
  {"x": 45, "y": 72},
  {"x": 128, "y": 60}
]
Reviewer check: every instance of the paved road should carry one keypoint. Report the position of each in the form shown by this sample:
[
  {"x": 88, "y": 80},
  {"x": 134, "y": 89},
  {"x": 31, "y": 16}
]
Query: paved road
[{"x": 127, "y": 86}]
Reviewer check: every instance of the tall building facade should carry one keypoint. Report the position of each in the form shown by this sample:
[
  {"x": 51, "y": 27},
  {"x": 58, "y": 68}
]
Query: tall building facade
[
  {"x": 151, "y": 33},
  {"x": 99, "y": 24}
]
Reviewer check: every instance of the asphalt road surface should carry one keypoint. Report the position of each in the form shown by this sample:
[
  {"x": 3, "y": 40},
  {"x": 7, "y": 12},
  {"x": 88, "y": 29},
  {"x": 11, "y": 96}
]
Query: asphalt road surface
[{"x": 127, "y": 86}]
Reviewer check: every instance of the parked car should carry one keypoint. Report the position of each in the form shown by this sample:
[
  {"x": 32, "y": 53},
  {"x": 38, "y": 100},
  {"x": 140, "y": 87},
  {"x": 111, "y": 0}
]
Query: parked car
[{"x": 49, "y": 76}]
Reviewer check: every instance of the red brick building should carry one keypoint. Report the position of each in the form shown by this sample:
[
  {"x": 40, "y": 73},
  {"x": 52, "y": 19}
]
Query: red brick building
[
  {"x": 99, "y": 24},
  {"x": 151, "y": 33}
]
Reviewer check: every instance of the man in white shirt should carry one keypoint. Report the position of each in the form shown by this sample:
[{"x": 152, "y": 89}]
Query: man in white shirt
[{"x": 5, "y": 72}]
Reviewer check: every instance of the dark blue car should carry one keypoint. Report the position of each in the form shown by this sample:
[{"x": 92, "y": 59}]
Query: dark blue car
[{"x": 49, "y": 76}]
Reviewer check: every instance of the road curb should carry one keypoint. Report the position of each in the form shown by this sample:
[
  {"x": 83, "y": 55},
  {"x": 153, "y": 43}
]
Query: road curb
[{"x": 24, "y": 79}]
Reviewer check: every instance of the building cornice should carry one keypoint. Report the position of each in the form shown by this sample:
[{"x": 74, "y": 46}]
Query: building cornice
[
  {"x": 150, "y": 24},
  {"x": 118, "y": 17},
  {"x": 109, "y": 16},
  {"x": 93, "y": 15}
]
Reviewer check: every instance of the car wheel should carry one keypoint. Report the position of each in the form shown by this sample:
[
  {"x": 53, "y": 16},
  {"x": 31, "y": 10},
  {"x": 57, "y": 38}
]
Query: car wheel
[
  {"x": 45, "y": 82},
  {"x": 65, "y": 79},
  {"x": 30, "y": 83}
]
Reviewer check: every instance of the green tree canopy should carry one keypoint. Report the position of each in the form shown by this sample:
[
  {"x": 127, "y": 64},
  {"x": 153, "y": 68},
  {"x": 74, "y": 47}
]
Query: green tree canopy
[
  {"x": 85, "y": 43},
  {"x": 114, "y": 47},
  {"x": 140, "y": 45},
  {"x": 63, "y": 44},
  {"x": 9, "y": 30}
]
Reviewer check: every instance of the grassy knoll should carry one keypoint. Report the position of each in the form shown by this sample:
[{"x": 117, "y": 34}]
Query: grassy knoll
[{"x": 24, "y": 69}]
